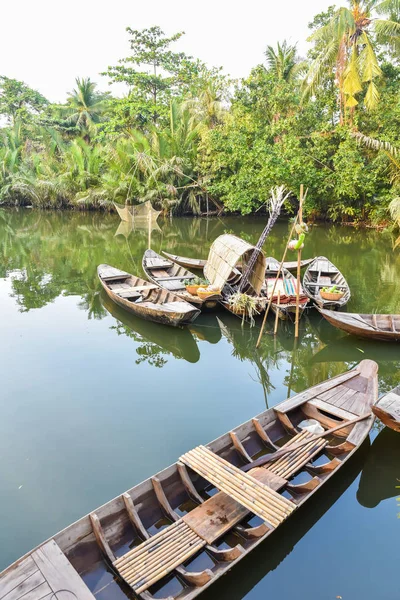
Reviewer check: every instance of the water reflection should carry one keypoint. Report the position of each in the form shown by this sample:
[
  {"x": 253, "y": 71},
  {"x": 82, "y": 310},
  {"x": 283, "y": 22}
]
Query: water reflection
[
  {"x": 154, "y": 341},
  {"x": 381, "y": 472}
]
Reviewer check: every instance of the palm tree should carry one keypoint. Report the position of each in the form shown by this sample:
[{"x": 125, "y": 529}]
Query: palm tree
[
  {"x": 85, "y": 106},
  {"x": 346, "y": 45},
  {"x": 283, "y": 61}
]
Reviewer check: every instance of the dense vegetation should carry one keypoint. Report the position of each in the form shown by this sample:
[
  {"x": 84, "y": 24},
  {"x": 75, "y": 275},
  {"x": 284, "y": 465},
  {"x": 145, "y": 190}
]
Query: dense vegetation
[{"x": 190, "y": 139}]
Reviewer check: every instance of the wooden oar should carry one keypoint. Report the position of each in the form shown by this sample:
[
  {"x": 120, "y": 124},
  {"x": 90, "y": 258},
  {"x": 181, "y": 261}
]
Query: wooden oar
[{"x": 279, "y": 453}]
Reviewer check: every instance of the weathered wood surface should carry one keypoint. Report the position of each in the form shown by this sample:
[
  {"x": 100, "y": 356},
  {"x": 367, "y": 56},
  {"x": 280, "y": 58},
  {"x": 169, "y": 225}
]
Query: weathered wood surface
[
  {"x": 370, "y": 326},
  {"x": 387, "y": 409},
  {"x": 45, "y": 573}
]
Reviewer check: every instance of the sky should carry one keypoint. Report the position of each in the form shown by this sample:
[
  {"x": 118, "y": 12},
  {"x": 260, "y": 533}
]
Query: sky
[{"x": 48, "y": 43}]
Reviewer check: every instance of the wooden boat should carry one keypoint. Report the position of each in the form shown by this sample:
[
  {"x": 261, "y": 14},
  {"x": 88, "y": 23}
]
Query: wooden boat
[
  {"x": 385, "y": 328},
  {"x": 154, "y": 344},
  {"x": 286, "y": 287},
  {"x": 171, "y": 276},
  {"x": 184, "y": 261},
  {"x": 387, "y": 409},
  {"x": 291, "y": 265},
  {"x": 145, "y": 299},
  {"x": 322, "y": 273},
  {"x": 153, "y": 538},
  {"x": 200, "y": 263}
]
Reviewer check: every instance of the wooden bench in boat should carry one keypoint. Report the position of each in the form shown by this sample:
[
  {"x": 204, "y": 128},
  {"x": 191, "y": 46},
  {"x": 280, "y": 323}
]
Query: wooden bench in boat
[
  {"x": 109, "y": 273},
  {"x": 133, "y": 292},
  {"x": 45, "y": 573}
]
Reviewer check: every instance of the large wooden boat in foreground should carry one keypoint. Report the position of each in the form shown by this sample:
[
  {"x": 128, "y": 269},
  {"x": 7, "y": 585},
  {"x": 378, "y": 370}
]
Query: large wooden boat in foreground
[
  {"x": 144, "y": 299},
  {"x": 176, "y": 533},
  {"x": 385, "y": 328},
  {"x": 171, "y": 276}
]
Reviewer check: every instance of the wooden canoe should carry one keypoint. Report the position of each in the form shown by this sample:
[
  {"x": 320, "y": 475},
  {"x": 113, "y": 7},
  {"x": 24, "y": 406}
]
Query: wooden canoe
[
  {"x": 200, "y": 263},
  {"x": 387, "y": 409},
  {"x": 171, "y": 276},
  {"x": 385, "y": 328},
  {"x": 322, "y": 273},
  {"x": 286, "y": 286},
  {"x": 153, "y": 538},
  {"x": 144, "y": 299},
  {"x": 184, "y": 261}
]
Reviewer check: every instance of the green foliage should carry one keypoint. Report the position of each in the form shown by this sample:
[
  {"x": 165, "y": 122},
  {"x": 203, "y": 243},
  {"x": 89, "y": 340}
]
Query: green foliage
[{"x": 188, "y": 139}]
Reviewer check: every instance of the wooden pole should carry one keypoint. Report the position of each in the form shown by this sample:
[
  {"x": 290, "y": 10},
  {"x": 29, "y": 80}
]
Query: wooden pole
[
  {"x": 277, "y": 313},
  {"x": 296, "y": 329},
  {"x": 276, "y": 280}
]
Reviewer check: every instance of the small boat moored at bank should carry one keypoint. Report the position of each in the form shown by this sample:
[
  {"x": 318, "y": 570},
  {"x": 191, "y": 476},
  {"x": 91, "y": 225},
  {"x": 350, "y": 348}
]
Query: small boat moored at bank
[
  {"x": 144, "y": 299},
  {"x": 322, "y": 275},
  {"x": 385, "y": 328},
  {"x": 213, "y": 506}
]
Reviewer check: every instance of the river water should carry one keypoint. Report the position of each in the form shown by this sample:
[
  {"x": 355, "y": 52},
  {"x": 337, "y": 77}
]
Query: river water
[{"x": 94, "y": 400}]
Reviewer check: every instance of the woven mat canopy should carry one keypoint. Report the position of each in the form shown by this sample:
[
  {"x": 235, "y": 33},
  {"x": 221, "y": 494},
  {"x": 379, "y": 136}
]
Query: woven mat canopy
[{"x": 225, "y": 254}]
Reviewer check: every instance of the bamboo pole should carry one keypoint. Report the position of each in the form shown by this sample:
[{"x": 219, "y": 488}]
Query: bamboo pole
[
  {"x": 275, "y": 455},
  {"x": 276, "y": 279},
  {"x": 277, "y": 313},
  {"x": 300, "y": 215}
]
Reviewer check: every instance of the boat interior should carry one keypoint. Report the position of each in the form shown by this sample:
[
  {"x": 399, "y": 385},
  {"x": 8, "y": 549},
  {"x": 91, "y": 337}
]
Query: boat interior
[
  {"x": 173, "y": 534},
  {"x": 322, "y": 273}
]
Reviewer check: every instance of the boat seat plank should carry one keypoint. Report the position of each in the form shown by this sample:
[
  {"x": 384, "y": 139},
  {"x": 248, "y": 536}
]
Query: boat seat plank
[
  {"x": 332, "y": 409},
  {"x": 59, "y": 573},
  {"x": 158, "y": 556},
  {"x": 217, "y": 515},
  {"x": 109, "y": 273},
  {"x": 242, "y": 487},
  {"x": 299, "y": 399},
  {"x": 158, "y": 263}
]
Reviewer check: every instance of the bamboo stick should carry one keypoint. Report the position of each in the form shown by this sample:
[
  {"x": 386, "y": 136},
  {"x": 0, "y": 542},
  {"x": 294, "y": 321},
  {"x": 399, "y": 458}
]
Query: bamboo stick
[
  {"x": 279, "y": 507},
  {"x": 246, "y": 495},
  {"x": 275, "y": 455},
  {"x": 239, "y": 473},
  {"x": 276, "y": 279},
  {"x": 296, "y": 328},
  {"x": 277, "y": 313},
  {"x": 309, "y": 450},
  {"x": 162, "y": 574},
  {"x": 248, "y": 501},
  {"x": 258, "y": 491},
  {"x": 148, "y": 543},
  {"x": 153, "y": 567},
  {"x": 135, "y": 565}
]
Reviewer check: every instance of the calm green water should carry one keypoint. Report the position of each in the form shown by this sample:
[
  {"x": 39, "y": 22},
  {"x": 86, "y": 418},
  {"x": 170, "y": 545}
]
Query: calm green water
[{"x": 94, "y": 400}]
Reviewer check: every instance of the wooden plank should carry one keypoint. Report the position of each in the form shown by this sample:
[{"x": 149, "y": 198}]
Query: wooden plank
[
  {"x": 100, "y": 537},
  {"x": 315, "y": 391},
  {"x": 59, "y": 573},
  {"x": 39, "y": 593},
  {"x": 16, "y": 575},
  {"x": 29, "y": 584},
  {"x": 332, "y": 409}
]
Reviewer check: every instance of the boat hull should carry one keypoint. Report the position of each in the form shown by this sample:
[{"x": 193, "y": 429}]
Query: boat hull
[
  {"x": 354, "y": 324},
  {"x": 313, "y": 287}
]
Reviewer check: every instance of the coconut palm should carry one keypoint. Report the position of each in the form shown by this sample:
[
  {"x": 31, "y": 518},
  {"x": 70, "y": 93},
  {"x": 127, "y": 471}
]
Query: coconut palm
[
  {"x": 346, "y": 45},
  {"x": 282, "y": 61},
  {"x": 85, "y": 106}
]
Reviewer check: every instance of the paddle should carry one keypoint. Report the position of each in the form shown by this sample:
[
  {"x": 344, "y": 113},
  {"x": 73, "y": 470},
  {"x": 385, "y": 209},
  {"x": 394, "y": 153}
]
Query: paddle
[{"x": 275, "y": 455}]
